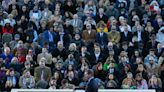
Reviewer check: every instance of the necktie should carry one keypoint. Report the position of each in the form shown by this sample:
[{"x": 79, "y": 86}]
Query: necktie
[
  {"x": 75, "y": 23},
  {"x": 50, "y": 37},
  {"x": 126, "y": 34},
  {"x": 101, "y": 34},
  {"x": 61, "y": 38},
  {"x": 42, "y": 75}
]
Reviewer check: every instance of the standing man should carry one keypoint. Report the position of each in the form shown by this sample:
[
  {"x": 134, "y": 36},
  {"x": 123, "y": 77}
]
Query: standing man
[
  {"x": 92, "y": 85},
  {"x": 42, "y": 72}
]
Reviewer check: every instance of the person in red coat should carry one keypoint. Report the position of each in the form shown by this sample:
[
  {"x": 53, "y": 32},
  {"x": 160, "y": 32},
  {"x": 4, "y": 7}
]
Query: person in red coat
[{"x": 7, "y": 28}]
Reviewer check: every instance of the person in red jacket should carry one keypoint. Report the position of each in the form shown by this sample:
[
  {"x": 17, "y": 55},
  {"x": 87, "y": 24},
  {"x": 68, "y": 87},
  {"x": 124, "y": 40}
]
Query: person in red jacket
[{"x": 7, "y": 28}]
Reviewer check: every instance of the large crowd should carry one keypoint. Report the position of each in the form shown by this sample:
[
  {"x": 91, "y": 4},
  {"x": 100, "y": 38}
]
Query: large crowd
[{"x": 49, "y": 44}]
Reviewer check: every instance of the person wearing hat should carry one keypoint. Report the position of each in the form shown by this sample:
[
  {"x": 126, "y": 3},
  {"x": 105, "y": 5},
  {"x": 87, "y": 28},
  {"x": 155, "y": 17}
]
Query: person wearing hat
[
  {"x": 152, "y": 55},
  {"x": 12, "y": 20},
  {"x": 7, "y": 28},
  {"x": 14, "y": 42}
]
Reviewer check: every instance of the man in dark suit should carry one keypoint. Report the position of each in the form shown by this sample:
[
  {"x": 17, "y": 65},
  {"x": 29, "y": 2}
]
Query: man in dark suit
[
  {"x": 59, "y": 52},
  {"x": 101, "y": 16},
  {"x": 126, "y": 35},
  {"x": 49, "y": 36},
  {"x": 101, "y": 37},
  {"x": 97, "y": 55},
  {"x": 140, "y": 34},
  {"x": 92, "y": 85}
]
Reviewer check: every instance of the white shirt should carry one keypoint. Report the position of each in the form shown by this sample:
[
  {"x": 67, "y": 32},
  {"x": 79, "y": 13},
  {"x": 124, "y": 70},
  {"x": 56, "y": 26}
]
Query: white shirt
[
  {"x": 139, "y": 36},
  {"x": 101, "y": 34},
  {"x": 97, "y": 56},
  {"x": 36, "y": 15},
  {"x": 89, "y": 31},
  {"x": 122, "y": 28}
]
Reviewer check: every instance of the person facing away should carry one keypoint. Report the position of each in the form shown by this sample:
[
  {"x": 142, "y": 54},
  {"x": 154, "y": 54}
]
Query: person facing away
[{"x": 92, "y": 84}]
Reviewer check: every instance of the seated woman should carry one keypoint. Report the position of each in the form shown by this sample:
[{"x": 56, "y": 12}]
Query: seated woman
[
  {"x": 101, "y": 24},
  {"x": 141, "y": 83},
  {"x": 155, "y": 83},
  {"x": 129, "y": 82}
]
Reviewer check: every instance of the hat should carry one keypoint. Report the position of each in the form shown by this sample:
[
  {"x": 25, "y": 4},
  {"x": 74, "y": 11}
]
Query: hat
[
  {"x": 7, "y": 21},
  {"x": 17, "y": 36}
]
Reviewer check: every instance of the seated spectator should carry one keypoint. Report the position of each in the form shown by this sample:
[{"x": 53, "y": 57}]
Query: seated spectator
[
  {"x": 46, "y": 13},
  {"x": 27, "y": 81},
  {"x": 99, "y": 72},
  {"x": 101, "y": 24},
  {"x": 7, "y": 28},
  {"x": 152, "y": 67},
  {"x": 20, "y": 51},
  {"x": 141, "y": 83},
  {"x": 91, "y": 21},
  {"x": 46, "y": 55},
  {"x": 72, "y": 49},
  {"x": 72, "y": 79},
  {"x": 69, "y": 68},
  {"x": 149, "y": 29},
  {"x": 141, "y": 69},
  {"x": 111, "y": 10},
  {"x": 12, "y": 20},
  {"x": 14, "y": 42},
  {"x": 41, "y": 84},
  {"x": 101, "y": 16},
  {"x": 101, "y": 36},
  {"x": 52, "y": 83},
  {"x": 114, "y": 35},
  {"x": 70, "y": 6},
  {"x": 78, "y": 41},
  {"x": 70, "y": 60},
  {"x": 31, "y": 34},
  {"x": 3, "y": 71},
  {"x": 77, "y": 24},
  {"x": 66, "y": 85},
  {"x": 129, "y": 82},
  {"x": 155, "y": 83},
  {"x": 57, "y": 76},
  {"x": 97, "y": 55},
  {"x": 28, "y": 66},
  {"x": 126, "y": 35},
  {"x": 151, "y": 54},
  {"x": 11, "y": 80},
  {"x": 159, "y": 35},
  {"x": 111, "y": 66},
  {"x": 89, "y": 34},
  {"x": 161, "y": 59},
  {"x": 15, "y": 64},
  {"x": 35, "y": 13},
  {"x": 112, "y": 82},
  {"x": 90, "y": 5},
  {"x": 7, "y": 56},
  {"x": 60, "y": 51}
]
